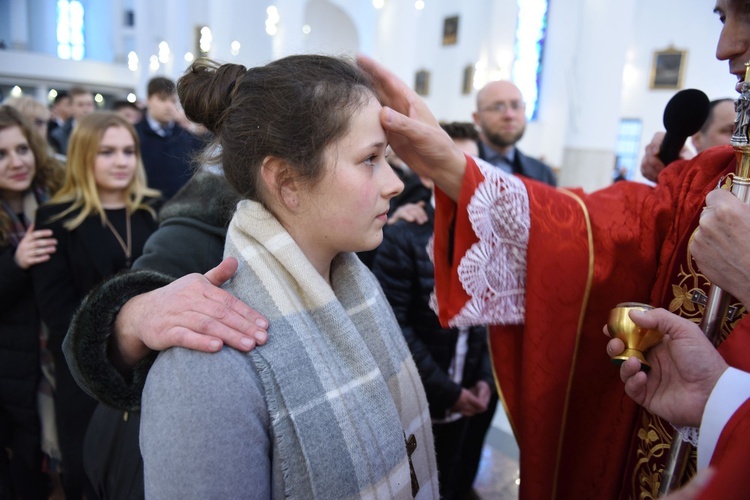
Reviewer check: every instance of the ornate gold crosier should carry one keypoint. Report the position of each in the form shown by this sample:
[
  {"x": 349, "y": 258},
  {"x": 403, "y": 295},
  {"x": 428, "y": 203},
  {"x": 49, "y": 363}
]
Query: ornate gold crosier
[{"x": 719, "y": 316}]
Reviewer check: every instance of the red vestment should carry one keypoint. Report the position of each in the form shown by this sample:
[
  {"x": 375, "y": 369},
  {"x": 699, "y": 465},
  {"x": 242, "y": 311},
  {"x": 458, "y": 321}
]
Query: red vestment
[
  {"x": 579, "y": 435},
  {"x": 731, "y": 458}
]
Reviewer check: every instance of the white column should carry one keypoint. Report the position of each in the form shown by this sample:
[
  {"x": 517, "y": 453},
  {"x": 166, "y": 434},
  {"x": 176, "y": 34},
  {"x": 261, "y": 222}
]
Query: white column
[
  {"x": 117, "y": 28},
  {"x": 42, "y": 32},
  {"x": 397, "y": 38},
  {"x": 594, "y": 85},
  {"x": 147, "y": 15},
  {"x": 98, "y": 21},
  {"x": 19, "y": 26},
  {"x": 289, "y": 39},
  {"x": 178, "y": 32}
]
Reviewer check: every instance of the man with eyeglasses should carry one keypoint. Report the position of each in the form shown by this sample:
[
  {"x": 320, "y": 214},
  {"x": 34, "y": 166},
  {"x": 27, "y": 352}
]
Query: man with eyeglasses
[{"x": 501, "y": 118}]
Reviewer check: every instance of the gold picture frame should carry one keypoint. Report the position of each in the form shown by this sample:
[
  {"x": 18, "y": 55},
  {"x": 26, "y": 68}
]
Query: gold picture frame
[
  {"x": 450, "y": 30},
  {"x": 422, "y": 82},
  {"x": 468, "y": 81},
  {"x": 668, "y": 68}
]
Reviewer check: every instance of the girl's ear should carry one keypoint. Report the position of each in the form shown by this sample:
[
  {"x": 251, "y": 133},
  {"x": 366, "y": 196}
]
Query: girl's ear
[{"x": 281, "y": 184}]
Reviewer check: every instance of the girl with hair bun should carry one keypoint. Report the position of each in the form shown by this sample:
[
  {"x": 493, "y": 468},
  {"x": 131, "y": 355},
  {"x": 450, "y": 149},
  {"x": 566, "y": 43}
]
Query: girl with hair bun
[
  {"x": 332, "y": 406},
  {"x": 101, "y": 218}
]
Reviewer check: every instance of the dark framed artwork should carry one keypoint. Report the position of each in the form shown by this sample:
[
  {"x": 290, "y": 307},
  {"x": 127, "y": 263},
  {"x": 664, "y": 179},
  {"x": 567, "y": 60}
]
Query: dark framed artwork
[
  {"x": 668, "y": 68},
  {"x": 468, "y": 81},
  {"x": 422, "y": 82},
  {"x": 450, "y": 30}
]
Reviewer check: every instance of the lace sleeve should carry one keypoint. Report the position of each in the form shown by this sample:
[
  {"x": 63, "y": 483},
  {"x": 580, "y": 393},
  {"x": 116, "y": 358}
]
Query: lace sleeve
[{"x": 493, "y": 271}]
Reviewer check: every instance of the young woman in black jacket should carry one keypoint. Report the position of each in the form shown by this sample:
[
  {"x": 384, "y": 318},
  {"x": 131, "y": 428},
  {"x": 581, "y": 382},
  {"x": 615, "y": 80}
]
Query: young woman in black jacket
[
  {"x": 27, "y": 178},
  {"x": 101, "y": 219}
]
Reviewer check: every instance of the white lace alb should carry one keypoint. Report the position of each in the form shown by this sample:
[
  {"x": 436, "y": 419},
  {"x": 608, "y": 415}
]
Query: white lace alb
[{"x": 493, "y": 271}]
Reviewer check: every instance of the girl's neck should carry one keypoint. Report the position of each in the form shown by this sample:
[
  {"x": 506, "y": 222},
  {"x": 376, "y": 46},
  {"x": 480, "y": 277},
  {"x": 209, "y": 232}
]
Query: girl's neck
[
  {"x": 320, "y": 258},
  {"x": 14, "y": 199},
  {"x": 112, "y": 199}
]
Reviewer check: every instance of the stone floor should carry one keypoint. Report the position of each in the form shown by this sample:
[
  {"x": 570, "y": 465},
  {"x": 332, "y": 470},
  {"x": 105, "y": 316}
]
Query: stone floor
[{"x": 497, "y": 478}]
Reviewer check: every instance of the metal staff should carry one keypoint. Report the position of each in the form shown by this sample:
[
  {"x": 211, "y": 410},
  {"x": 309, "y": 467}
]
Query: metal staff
[{"x": 718, "y": 301}]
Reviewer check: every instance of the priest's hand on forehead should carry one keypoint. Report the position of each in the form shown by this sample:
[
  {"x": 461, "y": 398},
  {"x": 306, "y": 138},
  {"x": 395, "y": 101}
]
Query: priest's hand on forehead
[{"x": 413, "y": 131}]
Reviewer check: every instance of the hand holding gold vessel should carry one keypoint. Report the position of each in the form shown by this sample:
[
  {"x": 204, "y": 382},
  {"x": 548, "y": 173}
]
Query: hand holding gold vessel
[{"x": 637, "y": 340}]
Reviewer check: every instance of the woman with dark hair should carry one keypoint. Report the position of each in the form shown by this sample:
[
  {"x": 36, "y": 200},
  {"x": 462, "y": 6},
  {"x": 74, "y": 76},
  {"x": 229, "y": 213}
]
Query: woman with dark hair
[
  {"x": 27, "y": 178},
  {"x": 332, "y": 406},
  {"x": 101, "y": 219}
]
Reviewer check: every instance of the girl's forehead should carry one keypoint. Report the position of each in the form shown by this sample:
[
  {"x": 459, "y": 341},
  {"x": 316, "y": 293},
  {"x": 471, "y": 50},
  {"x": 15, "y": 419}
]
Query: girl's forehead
[{"x": 12, "y": 131}]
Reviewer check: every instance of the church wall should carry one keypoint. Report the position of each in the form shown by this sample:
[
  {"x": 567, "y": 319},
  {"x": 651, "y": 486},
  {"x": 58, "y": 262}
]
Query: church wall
[{"x": 580, "y": 52}]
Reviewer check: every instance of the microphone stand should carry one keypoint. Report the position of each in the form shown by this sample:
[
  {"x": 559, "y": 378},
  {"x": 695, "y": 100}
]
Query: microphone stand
[{"x": 718, "y": 301}]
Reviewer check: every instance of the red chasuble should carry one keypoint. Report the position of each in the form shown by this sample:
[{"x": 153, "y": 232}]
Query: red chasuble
[
  {"x": 579, "y": 435},
  {"x": 731, "y": 459}
]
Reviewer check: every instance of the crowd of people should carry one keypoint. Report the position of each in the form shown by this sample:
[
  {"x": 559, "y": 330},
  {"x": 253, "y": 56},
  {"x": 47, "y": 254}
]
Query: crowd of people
[
  {"x": 238, "y": 330},
  {"x": 76, "y": 209}
]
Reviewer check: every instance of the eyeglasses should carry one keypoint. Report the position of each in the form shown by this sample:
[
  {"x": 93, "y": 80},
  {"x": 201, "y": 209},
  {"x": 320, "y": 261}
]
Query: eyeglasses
[{"x": 502, "y": 107}]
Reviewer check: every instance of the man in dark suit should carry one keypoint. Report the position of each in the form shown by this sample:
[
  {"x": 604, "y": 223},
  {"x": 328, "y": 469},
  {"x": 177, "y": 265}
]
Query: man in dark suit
[
  {"x": 81, "y": 104},
  {"x": 501, "y": 119},
  {"x": 166, "y": 148},
  {"x": 60, "y": 112}
]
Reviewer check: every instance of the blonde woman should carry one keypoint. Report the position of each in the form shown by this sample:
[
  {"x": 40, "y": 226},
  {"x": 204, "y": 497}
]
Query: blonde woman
[{"x": 101, "y": 219}]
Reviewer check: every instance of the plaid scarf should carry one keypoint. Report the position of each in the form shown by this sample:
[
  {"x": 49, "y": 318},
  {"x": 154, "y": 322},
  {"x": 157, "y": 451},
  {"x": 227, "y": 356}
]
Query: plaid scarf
[
  {"x": 347, "y": 407},
  {"x": 31, "y": 200}
]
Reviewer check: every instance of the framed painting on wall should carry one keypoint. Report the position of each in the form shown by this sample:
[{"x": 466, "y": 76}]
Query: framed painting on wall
[
  {"x": 668, "y": 68},
  {"x": 422, "y": 82},
  {"x": 450, "y": 30},
  {"x": 468, "y": 82}
]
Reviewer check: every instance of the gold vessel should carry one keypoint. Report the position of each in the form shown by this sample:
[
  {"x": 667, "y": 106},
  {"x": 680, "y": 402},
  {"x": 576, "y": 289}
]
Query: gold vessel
[{"x": 637, "y": 340}]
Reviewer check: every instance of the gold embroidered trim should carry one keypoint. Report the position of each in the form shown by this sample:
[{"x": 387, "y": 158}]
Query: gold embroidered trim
[
  {"x": 653, "y": 438},
  {"x": 582, "y": 315}
]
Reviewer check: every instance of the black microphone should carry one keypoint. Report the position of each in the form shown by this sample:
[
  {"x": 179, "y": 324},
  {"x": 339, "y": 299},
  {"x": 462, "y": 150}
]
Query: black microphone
[{"x": 685, "y": 114}]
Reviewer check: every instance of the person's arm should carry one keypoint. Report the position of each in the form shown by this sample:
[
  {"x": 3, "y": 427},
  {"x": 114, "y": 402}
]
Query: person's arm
[
  {"x": 684, "y": 369},
  {"x": 731, "y": 391},
  {"x": 54, "y": 282},
  {"x": 651, "y": 165},
  {"x": 205, "y": 428},
  {"x": 121, "y": 324}
]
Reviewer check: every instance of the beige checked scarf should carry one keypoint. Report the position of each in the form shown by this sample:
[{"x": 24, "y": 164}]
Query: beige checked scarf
[{"x": 347, "y": 407}]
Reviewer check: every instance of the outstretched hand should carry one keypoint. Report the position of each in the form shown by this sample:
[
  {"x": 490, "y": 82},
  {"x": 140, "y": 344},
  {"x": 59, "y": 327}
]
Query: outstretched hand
[
  {"x": 414, "y": 133},
  {"x": 191, "y": 312},
  {"x": 684, "y": 369}
]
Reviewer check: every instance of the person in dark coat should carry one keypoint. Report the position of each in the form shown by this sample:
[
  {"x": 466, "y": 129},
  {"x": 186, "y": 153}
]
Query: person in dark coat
[
  {"x": 190, "y": 239},
  {"x": 167, "y": 149},
  {"x": 27, "y": 178},
  {"x": 81, "y": 104},
  {"x": 453, "y": 364},
  {"x": 101, "y": 218},
  {"x": 501, "y": 119}
]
